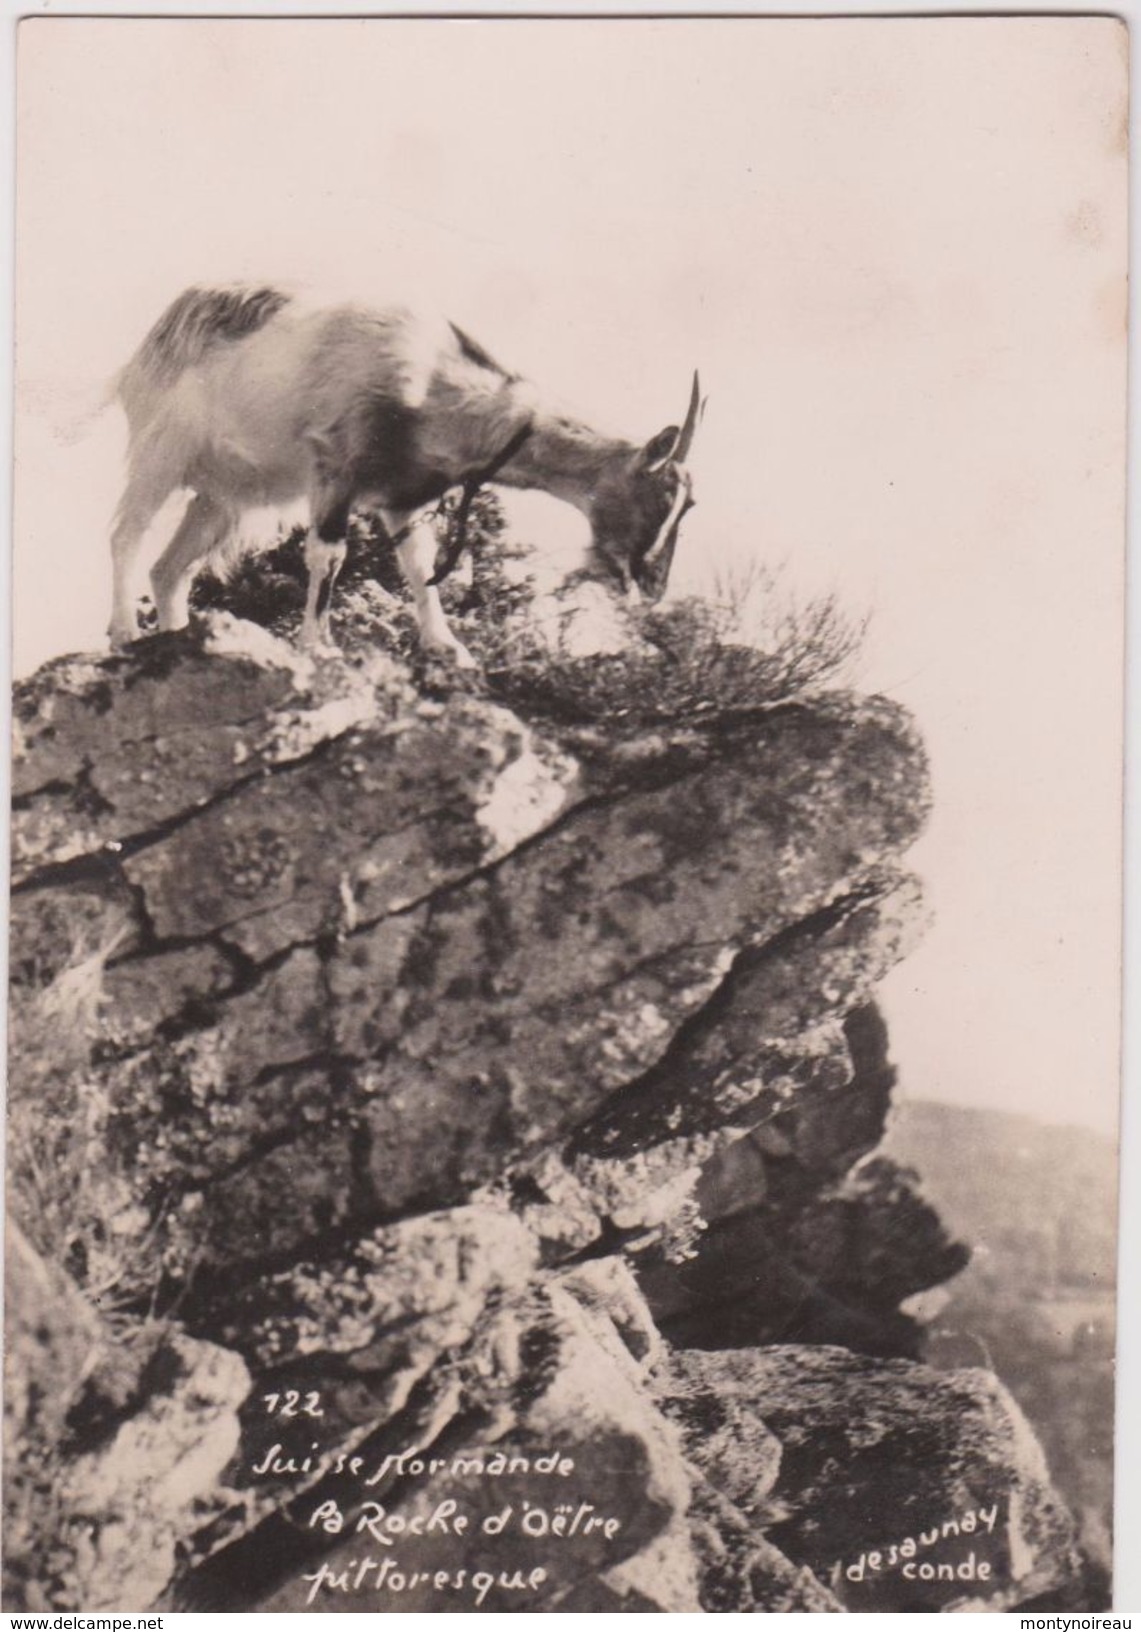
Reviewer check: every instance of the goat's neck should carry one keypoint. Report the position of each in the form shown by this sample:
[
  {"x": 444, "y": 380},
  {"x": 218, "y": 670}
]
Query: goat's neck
[{"x": 563, "y": 457}]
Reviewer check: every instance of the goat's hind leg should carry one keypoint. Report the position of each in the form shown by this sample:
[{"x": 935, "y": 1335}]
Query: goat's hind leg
[
  {"x": 145, "y": 494},
  {"x": 124, "y": 625},
  {"x": 203, "y": 529}
]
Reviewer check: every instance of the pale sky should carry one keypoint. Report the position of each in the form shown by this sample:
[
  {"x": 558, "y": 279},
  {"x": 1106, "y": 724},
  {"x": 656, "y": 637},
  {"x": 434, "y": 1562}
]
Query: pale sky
[{"x": 895, "y": 249}]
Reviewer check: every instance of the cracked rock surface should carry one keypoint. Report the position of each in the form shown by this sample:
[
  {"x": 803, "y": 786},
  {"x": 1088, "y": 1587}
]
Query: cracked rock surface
[{"x": 479, "y": 1088}]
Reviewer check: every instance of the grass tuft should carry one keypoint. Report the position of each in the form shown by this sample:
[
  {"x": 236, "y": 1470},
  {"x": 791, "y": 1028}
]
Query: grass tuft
[{"x": 748, "y": 646}]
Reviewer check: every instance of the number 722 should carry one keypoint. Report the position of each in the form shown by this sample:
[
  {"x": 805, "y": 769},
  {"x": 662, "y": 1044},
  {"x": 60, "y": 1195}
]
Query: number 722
[{"x": 291, "y": 1404}]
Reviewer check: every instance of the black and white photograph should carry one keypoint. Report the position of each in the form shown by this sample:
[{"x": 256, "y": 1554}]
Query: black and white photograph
[{"x": 568, "y": 602}]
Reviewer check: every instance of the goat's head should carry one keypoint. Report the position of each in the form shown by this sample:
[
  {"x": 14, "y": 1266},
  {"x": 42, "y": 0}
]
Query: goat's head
[{"x": 637, "y": 509}]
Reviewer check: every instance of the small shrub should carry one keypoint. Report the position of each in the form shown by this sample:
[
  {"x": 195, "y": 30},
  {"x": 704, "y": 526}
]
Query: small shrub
[
  {"x": 693, "y": 661},
  {"x": 749, "y": 646},
  {"x": 809, "y": 642}
]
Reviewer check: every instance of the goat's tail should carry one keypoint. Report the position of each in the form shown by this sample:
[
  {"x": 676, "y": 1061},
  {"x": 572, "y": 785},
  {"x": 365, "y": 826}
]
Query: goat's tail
[{"x": 191, "y": 325}]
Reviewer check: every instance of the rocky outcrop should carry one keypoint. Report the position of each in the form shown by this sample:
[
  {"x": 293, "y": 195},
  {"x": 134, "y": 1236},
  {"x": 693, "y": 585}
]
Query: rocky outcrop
[
  {"x": 900, "y": 1487},
  {"x": 51, "y": 1338},
  {"x": 810, "y": 1236},
  {"x": 427, "y": 1068}
]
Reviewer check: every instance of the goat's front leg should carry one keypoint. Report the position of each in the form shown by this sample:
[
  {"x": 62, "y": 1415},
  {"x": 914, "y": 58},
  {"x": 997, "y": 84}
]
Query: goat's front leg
[
  {"x": 325, "y": 550},
  {"x": 323, "y": 561},
  {"x": 417, "y": 557}
]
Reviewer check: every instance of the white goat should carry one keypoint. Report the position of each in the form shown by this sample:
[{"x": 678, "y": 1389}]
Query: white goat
[{"x": 248, "y": 398}]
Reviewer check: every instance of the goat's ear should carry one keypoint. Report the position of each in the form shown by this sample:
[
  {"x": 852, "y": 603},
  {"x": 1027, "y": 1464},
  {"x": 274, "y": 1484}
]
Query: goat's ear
[{"x": 659, "y": 448}]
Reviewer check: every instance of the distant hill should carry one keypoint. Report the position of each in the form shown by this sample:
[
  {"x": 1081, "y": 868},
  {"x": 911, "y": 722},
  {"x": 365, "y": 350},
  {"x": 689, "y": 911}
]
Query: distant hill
[{"x": 1038, "y": 1205}]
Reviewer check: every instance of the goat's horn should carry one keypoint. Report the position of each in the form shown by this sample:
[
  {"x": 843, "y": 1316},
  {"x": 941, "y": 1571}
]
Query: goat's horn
[{"x": 685, "y": 436}]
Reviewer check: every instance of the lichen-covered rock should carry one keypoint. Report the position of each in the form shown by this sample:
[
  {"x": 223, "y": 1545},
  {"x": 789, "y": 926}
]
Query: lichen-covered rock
[
  {"x": 776, "y": 1027},
  {"x": 421, "y": 1055},
  {"x": 899, "y": 1487},
  {"x": 739, "y": 1571},
  {"x": 606, "y": 1287},
  {"x": 543, "y": 1473},
  {"x": 377, "y": 952},
  {"x": 807, "y": 1238},
  {"x": 835, "y": 1271},
  {"x": 52, "y": 1337},
  {"x": 414, "y": 804},
  {"x": 874, "y": 1238},
  {"x": 379, "y": 1313},
  {"x": 52, "y": 1340},
  {"x": 713, "y": 1405},
  {"x": 129, "y": 1501},
  {"x": 113, "y": 747}
]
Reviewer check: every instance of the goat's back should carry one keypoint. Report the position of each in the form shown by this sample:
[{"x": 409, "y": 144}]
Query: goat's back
[
  {"x": 198, "y": 321},
  {"x": 261, "y": 340},
  {"x": 244, "y": 392}
]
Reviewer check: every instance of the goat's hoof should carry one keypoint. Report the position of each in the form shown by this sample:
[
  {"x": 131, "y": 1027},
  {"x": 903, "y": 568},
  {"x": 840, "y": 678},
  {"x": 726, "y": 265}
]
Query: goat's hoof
[
  {"x": 318, "y": 643},
  {"x": 120, "y": 635},
  {"x": 452, "y": 651}
]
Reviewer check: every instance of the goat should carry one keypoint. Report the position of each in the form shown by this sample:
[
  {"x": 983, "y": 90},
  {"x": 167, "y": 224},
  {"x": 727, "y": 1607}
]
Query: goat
[{"x": 248, "y": 398}]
